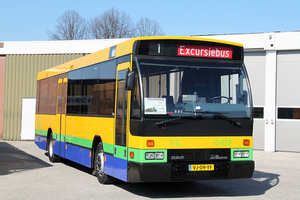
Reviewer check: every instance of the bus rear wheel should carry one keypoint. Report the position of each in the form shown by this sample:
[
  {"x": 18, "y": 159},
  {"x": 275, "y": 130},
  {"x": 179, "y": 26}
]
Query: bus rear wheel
[
  {"x": 99, "y": 166},
  {"x": 52, "y": 156}
]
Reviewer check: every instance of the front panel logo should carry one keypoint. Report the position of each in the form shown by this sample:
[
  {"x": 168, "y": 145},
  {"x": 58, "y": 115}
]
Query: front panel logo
[
  {"x": 177, "y": 157},
  {"x": 217, "y": 157}
]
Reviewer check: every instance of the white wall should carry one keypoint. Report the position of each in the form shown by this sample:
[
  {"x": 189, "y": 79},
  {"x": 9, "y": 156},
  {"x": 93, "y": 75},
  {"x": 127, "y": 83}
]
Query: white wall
[
  {"x": 58, "y": 46},
  {"x": 28, "y": 119}
]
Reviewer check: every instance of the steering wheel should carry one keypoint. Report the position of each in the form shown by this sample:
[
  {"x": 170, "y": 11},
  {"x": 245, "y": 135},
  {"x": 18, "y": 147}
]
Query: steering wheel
[{"x": 219, "y": 97}]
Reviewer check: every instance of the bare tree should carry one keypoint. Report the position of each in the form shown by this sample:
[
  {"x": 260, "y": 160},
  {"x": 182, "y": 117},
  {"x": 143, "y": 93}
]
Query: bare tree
[
  {"x": 148, "y": 27},
  {"x": 111, "y": 24},
  {"x": 70, "y": 26}
]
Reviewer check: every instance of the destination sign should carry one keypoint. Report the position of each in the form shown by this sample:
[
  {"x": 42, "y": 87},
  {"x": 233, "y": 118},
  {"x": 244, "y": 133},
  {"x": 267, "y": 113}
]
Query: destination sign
[{"x": 204, "y": 51}]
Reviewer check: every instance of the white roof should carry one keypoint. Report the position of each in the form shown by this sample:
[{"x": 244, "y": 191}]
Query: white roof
[
  {"x": 57, "y": 46},
  {"x": 263, "y": 41},
  {"x": 251, "y": 42}
]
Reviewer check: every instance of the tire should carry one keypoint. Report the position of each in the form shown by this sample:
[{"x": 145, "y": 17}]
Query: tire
[
  {"x": 52, "y": 156},
  {"x": 99, "y": 166}
]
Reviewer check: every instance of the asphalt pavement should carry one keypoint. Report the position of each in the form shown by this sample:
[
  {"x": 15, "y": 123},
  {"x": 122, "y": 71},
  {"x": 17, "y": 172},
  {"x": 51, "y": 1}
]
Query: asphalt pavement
[{"x": 27, "y": 173}]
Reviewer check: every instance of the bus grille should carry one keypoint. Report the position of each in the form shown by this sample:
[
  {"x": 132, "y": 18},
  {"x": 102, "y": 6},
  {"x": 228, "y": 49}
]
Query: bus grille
[{"x": 202, "y": 155}]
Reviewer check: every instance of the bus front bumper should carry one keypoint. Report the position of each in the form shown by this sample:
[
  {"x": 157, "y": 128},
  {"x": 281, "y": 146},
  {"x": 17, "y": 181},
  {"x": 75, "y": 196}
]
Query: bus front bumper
[{"x": 175, "y": 172}]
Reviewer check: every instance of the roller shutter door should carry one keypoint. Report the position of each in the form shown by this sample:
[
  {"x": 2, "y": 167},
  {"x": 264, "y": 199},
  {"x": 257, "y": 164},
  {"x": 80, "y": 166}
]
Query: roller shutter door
[
  {"x": 288, "y": 101},
  {"x": 255, "y": 63}
]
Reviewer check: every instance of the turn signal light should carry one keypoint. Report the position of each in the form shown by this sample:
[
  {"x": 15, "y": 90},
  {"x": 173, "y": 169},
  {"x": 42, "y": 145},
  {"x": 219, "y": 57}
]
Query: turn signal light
[
  {"x": 150, "y": 143},
  {"x": 246, "y": 142},
  {"x": 131, "y": 154}
]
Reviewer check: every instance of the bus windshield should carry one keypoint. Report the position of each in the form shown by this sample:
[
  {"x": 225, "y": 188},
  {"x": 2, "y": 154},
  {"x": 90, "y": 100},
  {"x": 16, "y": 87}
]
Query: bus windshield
[{"x": 185, "y": 88}]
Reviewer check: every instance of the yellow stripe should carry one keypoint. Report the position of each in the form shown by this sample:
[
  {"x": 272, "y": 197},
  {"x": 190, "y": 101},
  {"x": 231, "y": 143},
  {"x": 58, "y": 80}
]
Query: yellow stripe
[{"x": 189, "y": 142}]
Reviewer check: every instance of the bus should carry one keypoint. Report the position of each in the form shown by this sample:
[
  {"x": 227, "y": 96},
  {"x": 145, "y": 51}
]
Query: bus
[{"x": 150, "y": 109}]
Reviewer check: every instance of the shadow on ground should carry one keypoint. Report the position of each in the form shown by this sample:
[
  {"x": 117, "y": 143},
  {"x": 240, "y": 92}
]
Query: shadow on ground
[
  {"x": 14, "y": 160},
  {"x": 258, "y": 185}
]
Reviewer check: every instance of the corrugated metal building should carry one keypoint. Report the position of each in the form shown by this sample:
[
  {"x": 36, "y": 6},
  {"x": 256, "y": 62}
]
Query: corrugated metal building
[
  {"x": 20, "y": 63},
  {"x": 20, "y": 82}
]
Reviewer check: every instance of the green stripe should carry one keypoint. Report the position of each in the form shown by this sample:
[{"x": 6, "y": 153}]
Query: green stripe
[
  {"x": 121, "y": 152},
  {"x": 79, "y": 141},
  {"x": 69, "y": 139},
  {"x": 139, "y": 155},
  {"x": 242, "y": 159},
  {"x": 41, "y": 132},
  {"x": 108, "y": 148}
]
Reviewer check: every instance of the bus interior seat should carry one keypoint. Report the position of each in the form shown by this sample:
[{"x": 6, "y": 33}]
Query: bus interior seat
[{"x": 170, "y": 103}]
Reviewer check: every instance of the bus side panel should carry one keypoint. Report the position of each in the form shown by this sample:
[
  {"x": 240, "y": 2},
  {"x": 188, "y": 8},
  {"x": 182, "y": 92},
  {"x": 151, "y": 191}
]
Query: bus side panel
[
  {"x": 78, "y": 154},
  {"x": 62, "y": 149},
  {"x": 42, "y": 123},
  {"x": 120, "y": 169},
  {"x": 108, "y": 164},
  {"x": 56, "y": 147},
  {"x": 82, "y": 130},
  {"x": 41, "y": 142}
]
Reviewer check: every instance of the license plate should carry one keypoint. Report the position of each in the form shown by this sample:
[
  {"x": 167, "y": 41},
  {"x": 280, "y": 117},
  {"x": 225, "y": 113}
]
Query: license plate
[{"x": 205, "y": 167}]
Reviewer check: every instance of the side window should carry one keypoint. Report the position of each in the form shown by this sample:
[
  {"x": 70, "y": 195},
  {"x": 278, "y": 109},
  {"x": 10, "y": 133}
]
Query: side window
[
  {"x": 89, "y": 83},
  {"x": 121, "y": 114},
  {"x": 136, "y": 98},
  {"x": 106, "y": 88},
  {"x": 38, "y": 96},
  {"x": 74, "y": 92},
  {"x": 91, "y": 90},
  {"x": 52, "y": 95},
  {"x": 43, "y": 96},
  {"x": 64, "y": 98},
  {"x": 59, "y": 98},
  {"x": 47, "y": 94},
  {"x": 289, "y": 113}
]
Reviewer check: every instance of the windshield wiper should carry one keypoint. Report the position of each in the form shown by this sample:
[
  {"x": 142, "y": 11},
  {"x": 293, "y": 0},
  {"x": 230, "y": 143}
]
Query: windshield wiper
[
  {"x": 167, "y": 121},
  {"x": 215, "y": 114},
  {"x": 219, "y": 114},
  {"x": 177, "y": 118}
]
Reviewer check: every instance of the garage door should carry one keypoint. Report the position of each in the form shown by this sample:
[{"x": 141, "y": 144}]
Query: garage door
[
  {"x": 288, "y": 101},
  {"x": 255, "y": 63}
]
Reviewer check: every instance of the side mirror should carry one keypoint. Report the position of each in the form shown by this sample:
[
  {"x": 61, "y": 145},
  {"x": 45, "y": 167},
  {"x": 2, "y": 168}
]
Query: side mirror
[{"x": 130, "y": 80}]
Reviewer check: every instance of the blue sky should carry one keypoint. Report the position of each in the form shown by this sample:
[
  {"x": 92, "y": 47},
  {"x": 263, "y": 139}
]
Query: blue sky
[{"x": 22, "y": 20}]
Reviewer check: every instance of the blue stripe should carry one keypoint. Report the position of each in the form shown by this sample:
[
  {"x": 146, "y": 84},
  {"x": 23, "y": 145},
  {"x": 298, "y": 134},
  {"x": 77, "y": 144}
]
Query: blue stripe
[
  {"x": 120, "y": 169},
  {"x": 109, "y": 165},
  {"x": 71, "y": 152},
  {"x": 78, "y": 154},
  {"x": 40, "y": 141},
  {"x": 56, "y": 147},
  {"x": 113, "y": 166}
]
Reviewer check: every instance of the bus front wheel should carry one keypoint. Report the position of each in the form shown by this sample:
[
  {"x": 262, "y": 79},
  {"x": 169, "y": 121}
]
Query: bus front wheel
[
  {"x": 52, "y": 156},
  {"x": 99, "y": 166}
]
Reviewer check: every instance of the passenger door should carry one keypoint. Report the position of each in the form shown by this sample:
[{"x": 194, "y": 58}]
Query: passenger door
[
  {"x": 61, "y": 112},
  {"x": 120, "y": 149}
]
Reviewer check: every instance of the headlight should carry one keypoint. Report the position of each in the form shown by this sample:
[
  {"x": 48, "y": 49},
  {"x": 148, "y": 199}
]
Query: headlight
[
  {"x": 241, "y": 154},
  {"x": 237, "y": 154},
  {"x": 154, "y": 156},
  {"x": 245, "y": 154},
  {"x": 159, "y": 156},
  {"x": 149, "y": 156}
]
